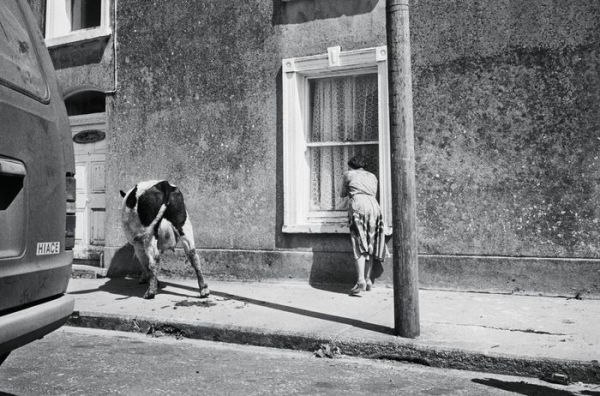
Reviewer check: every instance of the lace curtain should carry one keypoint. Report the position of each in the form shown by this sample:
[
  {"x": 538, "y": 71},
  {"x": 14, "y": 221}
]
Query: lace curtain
[{"x": 344, "y": 118}]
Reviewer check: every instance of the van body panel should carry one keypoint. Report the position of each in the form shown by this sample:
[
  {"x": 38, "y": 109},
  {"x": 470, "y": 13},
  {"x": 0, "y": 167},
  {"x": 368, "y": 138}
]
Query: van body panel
[
  {"x": 36, "y": 159},
  {"x": 31, "y": 281},
  {"x": 28, "y": 324}
]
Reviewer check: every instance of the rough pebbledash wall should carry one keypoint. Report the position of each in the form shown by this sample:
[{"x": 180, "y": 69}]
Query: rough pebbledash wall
[
  {"x": 199, "y": 103},
  {"x": 506, "y": 98},
  {"x": 507, "y": 126}
]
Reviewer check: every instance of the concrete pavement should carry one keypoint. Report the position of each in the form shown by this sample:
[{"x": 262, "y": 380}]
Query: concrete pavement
[{"x": 506, "y": 334}]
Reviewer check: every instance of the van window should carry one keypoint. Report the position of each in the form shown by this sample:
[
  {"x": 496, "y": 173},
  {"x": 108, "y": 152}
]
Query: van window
[{"x": 19, "y": 64}]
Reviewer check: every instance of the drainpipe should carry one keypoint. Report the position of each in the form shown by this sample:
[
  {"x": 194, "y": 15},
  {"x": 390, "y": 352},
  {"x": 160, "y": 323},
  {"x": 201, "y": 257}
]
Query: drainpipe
[
  {"x": 115, "y": 43},
  {"x": 404, "y": 238}
]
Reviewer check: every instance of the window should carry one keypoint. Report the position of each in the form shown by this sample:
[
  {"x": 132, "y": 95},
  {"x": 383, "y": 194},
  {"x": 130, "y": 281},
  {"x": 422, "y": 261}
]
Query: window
[
  {"x": 76, "y": 20},
  {"x": 334, "y": 106}
]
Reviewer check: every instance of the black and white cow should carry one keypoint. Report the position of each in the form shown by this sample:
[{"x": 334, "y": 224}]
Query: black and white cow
[{"x": 155, "y": 219}]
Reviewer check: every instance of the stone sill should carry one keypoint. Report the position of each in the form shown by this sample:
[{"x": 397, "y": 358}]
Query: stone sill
[
  {"x": 78, "y": 37},
  {"x": 321, "y": 229}
]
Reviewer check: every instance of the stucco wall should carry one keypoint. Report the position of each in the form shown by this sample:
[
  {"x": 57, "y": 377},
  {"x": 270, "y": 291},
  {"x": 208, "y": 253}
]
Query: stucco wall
[
  {"x": 506, "y": 100},
  {"x": 199, "y": 104}
]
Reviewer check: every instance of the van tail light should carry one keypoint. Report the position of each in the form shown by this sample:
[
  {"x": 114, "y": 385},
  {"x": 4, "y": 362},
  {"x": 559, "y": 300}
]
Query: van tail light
[{"x": 70, "y": 225}]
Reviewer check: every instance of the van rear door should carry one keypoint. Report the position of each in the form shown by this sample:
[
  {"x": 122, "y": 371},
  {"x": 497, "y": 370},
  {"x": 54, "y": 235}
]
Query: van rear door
[{"x": 35, "y": 161}]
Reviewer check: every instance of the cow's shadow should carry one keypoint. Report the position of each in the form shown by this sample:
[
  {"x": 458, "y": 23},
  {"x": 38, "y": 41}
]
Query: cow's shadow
[
  {"x": 124, "y": 272},
  {"x": 123, "y": 263},
  {"x": 130, "y": 287}
]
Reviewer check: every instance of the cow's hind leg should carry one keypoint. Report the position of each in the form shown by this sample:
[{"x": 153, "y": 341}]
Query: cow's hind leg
[
  {"x": 153, "y": 257},
  {"x": 187, "y": 240},
  {"x": 140, "y": 254}
]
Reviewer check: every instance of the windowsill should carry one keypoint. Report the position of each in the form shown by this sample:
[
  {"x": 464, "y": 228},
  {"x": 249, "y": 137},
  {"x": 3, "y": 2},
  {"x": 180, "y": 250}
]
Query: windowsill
[
  {"x": 321, "y": 229},
  {"x": 78, "y": 36},
  {"x": 316, "y": 229}
]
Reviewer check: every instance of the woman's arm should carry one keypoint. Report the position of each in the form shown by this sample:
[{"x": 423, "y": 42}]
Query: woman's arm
[{"x": 344, "y": 192}]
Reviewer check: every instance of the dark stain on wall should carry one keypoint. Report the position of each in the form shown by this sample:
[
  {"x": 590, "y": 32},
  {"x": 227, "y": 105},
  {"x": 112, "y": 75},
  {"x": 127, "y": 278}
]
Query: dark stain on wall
[
  {"x": 199, "y": 50},
  {"x": 86, "y": 53},
  {"x": 301, "y": 11}
]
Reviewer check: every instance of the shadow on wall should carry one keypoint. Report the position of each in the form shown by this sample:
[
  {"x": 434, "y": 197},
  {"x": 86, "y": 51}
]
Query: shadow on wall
[
  {"x": 335, "y": 271},
  {"x": 87, "y": 53},
  {"x": 300, "y": 11},
  {"x": 331, "y": 269},
  {"x": 123, "y": 263}
]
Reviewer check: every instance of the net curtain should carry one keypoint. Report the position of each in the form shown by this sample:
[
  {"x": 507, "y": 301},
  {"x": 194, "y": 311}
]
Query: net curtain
[{"x": 344, "y": 109}]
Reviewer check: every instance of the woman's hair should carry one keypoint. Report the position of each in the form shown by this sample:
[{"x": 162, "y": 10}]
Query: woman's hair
[{"x": 357, "y": 162}]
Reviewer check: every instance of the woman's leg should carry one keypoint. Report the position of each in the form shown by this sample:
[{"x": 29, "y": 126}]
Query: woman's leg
[
  {"x": 368, "y": 266},
  {"x": 361, "y": 284},
  {"x": 359, "y": 263}
]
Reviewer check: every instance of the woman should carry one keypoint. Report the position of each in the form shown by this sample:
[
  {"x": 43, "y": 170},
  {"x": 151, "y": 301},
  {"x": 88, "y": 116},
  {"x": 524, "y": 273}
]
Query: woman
[{"x": 365, "y": 221}]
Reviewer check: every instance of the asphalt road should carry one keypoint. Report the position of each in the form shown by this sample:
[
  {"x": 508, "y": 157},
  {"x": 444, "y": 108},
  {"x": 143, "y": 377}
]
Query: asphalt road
[{"x": 75, "y": 361}]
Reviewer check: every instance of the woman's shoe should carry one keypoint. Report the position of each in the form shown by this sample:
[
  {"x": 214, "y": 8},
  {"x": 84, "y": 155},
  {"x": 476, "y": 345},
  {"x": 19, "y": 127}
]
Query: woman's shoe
[
  {"x": 369, "y": 285},
  {"x": 358, "y": 289}
]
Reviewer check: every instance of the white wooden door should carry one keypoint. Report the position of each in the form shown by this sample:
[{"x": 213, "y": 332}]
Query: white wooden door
[{"x": 90, "y": 158}]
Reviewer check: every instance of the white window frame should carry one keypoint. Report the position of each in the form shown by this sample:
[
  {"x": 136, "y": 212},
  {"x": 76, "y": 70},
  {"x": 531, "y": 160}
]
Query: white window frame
[
  {"x": 58, "y": 24},
  {"x": 296, "y": 128}
]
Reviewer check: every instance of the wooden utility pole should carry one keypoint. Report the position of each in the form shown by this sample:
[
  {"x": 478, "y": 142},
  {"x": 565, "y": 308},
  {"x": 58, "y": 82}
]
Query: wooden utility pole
[{"x": 404, "y": 217}]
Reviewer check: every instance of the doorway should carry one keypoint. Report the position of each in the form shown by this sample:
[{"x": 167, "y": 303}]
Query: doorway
[{"x": 87, "y": 117}]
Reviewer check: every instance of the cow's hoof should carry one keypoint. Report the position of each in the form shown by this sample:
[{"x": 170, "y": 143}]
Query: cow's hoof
[
  {"x": 149, "y": 295},
  {"x": 204, "y": 291}
]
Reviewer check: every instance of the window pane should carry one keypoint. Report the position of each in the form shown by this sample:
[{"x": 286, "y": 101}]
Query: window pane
[
  {"x": 344, "y": 109},
  {"x": 18, "y": 59},
  {"x": 85, "y": 14},
  {"x": 328, "y": 164}
]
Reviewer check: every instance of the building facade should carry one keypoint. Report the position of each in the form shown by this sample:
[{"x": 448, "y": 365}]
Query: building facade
[{"x": 253, "y": 108}]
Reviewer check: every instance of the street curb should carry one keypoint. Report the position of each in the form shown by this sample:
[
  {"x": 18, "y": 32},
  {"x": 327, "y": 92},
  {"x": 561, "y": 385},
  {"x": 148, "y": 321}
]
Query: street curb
[
  {"x": 402, "y": 350},
  {"x": 87, "y": 271}
]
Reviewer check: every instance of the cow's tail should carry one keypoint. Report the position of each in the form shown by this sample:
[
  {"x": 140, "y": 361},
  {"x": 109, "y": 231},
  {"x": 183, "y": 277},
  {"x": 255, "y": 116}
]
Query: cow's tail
[
  {"x": 159, "y": 216},
  {"x": 153, "y": 226}
]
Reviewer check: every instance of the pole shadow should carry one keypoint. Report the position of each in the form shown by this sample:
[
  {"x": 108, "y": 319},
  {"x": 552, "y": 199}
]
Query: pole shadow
[
  {"x": 298, "y": 311},
  {"x": 523, "y": 388}
]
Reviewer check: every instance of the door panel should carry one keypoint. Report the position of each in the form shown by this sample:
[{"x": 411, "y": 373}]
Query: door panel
[
  {"x": 98, "y": 183},
  {"x": 97, "y": 227},
  {"x": 81, "y": 219}
]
